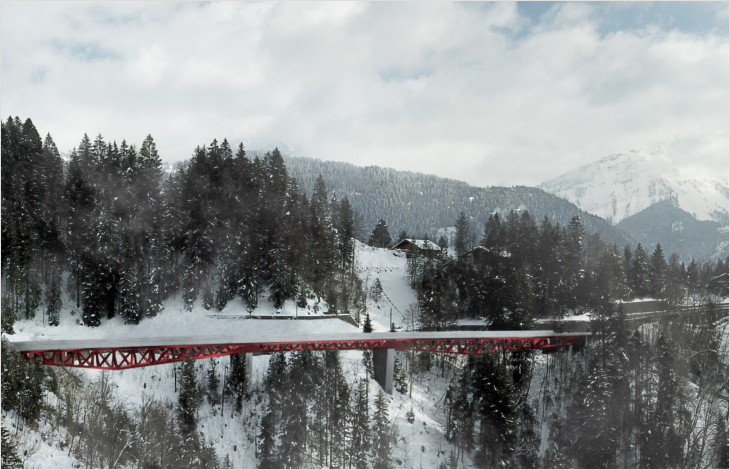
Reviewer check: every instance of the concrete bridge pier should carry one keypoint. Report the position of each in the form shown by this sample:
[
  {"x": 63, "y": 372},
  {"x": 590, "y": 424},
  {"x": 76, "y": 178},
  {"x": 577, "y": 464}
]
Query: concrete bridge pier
[
  {"x": 249, "y": 368},
  {"x": 383, "y": 368}
]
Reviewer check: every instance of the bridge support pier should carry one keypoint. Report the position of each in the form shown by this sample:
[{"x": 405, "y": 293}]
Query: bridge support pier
[
  {"x": 249, "y": 368},
  {"x": 383, "y": 368}
]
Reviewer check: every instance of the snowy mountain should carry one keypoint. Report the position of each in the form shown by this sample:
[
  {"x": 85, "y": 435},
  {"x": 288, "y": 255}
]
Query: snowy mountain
[{"x": 621, "y": 185}]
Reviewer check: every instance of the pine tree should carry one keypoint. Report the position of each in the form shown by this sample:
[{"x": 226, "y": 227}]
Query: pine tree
[
  {"x": 368, "y": 325},
  {"x": 380, "y": 237},
  {"x": 208, "y": 297},
  {"x": 213, "y": 384},
  {"x": 129, "y": 307},
  {"x": 640, "y": 273},
  {"x": 377, "y": 290},
  {"x": 53, "y": 303},
  {"x": 367, "y": 361},
  {"x": 658, "y": 273},
  {"x": 346, "y": 233},
  {"x": 294, "y": 431},
  {"x": 187, "y": 398},
  {"x": 494, "y": 406},
  {"x": 382, "y": 432},
  {"x": 693, "y": 277},
  {"x": 267, "y": 440},
  {"x": 360, "y": 434},
  {"x": 236, "y": 382},
  {"x": 23, "y": 383},
  {"x": 10, "y": 457},
  {"x": 400, "y": 380},
  {"x": 460, "y": 427},
  {"x": 8, "y": 316},
  {"x": 597, "y": 433},
  {"x": 461, "y": 243},
  {"x": 661, "y": 445}
]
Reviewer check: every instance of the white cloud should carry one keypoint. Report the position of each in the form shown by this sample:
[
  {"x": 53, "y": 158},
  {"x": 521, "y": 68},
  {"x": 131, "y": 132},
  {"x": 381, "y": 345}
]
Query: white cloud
[{"x": 464, "y": 91}]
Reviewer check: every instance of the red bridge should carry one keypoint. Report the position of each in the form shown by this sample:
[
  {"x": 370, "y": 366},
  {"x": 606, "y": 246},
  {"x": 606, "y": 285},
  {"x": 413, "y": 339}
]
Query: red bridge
[{"x": 119, "y": 354}]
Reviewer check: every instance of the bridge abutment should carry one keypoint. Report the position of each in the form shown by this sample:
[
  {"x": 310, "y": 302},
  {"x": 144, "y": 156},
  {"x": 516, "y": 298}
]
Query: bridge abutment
[{"x": 383, "y": 368}]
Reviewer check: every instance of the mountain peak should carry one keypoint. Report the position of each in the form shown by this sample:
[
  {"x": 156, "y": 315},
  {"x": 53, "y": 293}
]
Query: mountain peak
[{"x": 623, "y": 184}]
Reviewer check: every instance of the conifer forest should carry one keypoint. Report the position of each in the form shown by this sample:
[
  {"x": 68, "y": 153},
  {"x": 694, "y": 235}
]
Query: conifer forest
[
  {"x": 364, "y": 235},
  {"x": 108, "y": 237}
]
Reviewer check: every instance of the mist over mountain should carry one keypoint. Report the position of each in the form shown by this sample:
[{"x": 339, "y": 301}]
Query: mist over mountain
[{"x": 421, "y": 203}]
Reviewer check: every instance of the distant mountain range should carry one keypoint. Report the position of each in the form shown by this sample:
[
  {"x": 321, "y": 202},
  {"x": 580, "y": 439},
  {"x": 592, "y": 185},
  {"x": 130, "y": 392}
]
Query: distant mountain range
[
  {"x": 421, "y": 203},
  {"x": 626, "y": 198},
  {"x": 621, "y": 185}
]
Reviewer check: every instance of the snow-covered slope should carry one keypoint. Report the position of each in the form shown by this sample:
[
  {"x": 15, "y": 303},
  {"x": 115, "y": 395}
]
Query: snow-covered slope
[
  {"x": 390, "y": 267},
  {"x": 621, "y": 185}
]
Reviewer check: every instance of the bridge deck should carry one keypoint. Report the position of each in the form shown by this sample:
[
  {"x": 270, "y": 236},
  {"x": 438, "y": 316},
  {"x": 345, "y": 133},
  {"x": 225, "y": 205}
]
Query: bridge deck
[
  {"x": 117, "y": 354},
  {"x": 72, "y": 344}
]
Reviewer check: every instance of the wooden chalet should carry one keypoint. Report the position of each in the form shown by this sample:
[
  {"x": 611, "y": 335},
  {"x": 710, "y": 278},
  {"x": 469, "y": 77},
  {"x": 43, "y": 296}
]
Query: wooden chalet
[
  {"x": 481, "y": 255},
  {"x": 425, "y": 248}
]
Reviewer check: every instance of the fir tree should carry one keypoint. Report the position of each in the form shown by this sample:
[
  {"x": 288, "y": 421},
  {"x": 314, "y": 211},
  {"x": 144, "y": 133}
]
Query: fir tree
[
  {"x": 8, "y": 316},
  {"x": 10, "y": 457},
  {"x": 267, "y": 440},
  {"x": 460, "y": 426},
  {"x": 187, "y": 398},
  {"x": 294, "y": 431},
  {"x": 400, "y": 380},
  {"x": 657, "y": 273},
  {"x": 640, "y": 273},
  {"x": 207, "y": 297},
  {"x": 494, "y": 406},
  {"x": 53, "y": 304},
  {"x": 360, "y": 434},
  {"x": 461, "y": 242},
  {"x": 213, "y": 384},
  {"x": 236, "y": 381},
  {"x": 367, "y": 361},
  {"x": 23, "y": 384},
  {"x": 377, "y": 290},
  {"x": 368, "y": 325},
  {"x": 380, "y": 237},
  {"x": 382, "y": 432}
]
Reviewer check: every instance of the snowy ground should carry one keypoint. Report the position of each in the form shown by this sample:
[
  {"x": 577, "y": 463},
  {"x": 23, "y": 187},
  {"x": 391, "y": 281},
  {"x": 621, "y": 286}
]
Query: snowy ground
[
  {"x": 174, "y": 320},
  {"x": 420, "y": 444},
  {"x": 390, "y": 267}
]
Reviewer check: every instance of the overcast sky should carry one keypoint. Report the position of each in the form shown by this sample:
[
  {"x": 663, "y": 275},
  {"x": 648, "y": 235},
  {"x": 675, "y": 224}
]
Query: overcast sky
[{"x": 499, "y": 93}]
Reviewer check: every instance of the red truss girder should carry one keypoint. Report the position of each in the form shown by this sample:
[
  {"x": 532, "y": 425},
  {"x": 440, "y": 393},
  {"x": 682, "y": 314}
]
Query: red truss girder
[{"x": 141, "y": 356}]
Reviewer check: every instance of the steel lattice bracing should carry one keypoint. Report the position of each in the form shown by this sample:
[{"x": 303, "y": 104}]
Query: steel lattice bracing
[{"x": 95, "y": 355}]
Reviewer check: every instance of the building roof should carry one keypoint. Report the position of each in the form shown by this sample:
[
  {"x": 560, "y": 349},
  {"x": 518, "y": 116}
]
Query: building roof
[
  {"x": 503, "y": 253},
  {"x": 421, "y": 244}
]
